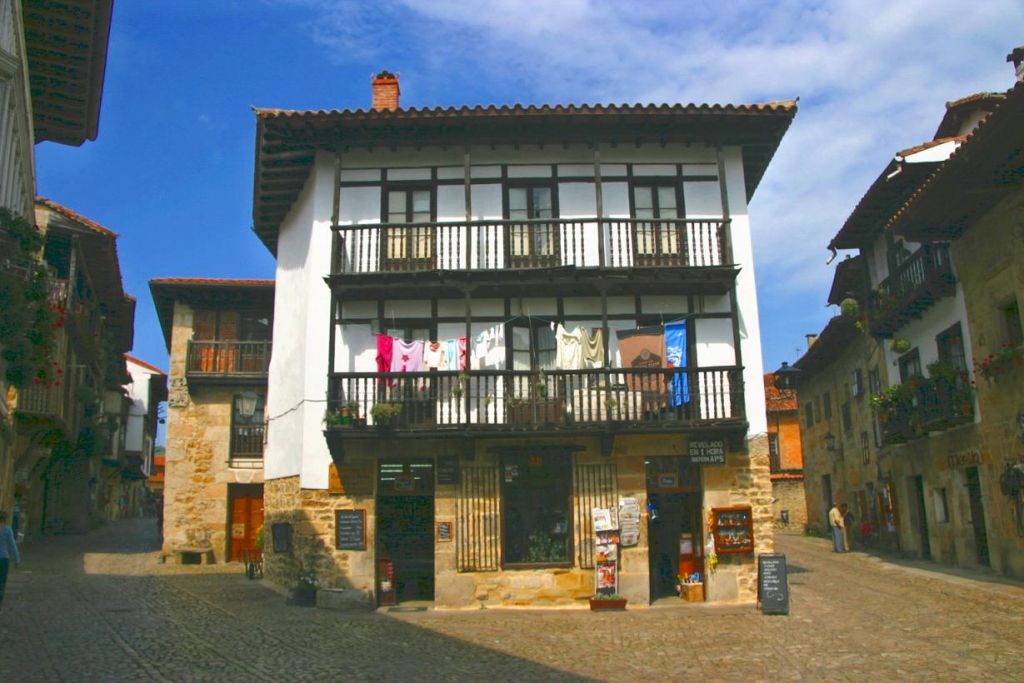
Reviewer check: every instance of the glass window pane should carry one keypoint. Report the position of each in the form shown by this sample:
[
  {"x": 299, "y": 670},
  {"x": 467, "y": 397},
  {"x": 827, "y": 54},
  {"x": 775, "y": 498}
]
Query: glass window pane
[
  {"x": 396, "y": 206},
  {"x": 517, "y": 202},
  {"x": 542, "y": 202},
  {"x": 667, "y": 202}
]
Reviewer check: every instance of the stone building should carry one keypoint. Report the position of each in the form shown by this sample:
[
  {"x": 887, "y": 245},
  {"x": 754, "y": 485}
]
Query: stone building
[
  {"x": 937, "y": 284},
  {"x": 534, "y": 319},
  {"x": 50, "y": 90},
  {"x": 218, "y": 334},
  {"x": 785, "y": 456}
]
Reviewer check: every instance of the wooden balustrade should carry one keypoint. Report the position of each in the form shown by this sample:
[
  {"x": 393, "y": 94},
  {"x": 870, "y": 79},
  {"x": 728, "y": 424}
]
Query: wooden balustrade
[
  {"x": 544, "y": 243},
  {"x": 495, "y": 400},
  {"x": 228, "y": 359}
]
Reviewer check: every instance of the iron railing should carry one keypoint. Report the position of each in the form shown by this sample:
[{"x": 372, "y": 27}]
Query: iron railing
[
  {"x": 542, "y": 243},
  {"x": 247, "y": 441},
  {"x": 228, "y": 359},
  {"x": 496, "y": 400}
]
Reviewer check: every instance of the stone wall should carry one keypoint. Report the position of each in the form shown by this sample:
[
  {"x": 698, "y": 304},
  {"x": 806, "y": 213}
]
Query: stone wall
[
  {"x": 198, "y": 448},
  {"x": 789, "y": 496}
]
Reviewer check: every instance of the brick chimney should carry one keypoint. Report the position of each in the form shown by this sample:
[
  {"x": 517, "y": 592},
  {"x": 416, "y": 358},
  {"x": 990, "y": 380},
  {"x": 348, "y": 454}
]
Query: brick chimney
[{"x": 385, "y": 91}]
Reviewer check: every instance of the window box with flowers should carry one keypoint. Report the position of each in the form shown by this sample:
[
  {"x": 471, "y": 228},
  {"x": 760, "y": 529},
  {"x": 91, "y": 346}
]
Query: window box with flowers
[
  {"x": 306, "y": 585},
  {"x": 1000, "y": 363}
]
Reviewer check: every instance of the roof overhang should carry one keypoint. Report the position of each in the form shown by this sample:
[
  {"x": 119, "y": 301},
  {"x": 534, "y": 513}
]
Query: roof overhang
[
  {"x": 66, "y": 42},
  {"x": 986, "y": 169},
  {"x": 840, "y": 332},
  {"x": 201, "y": 292},
  {"x": 849, "y": 281},
  {"x": 287, "y": 141}
]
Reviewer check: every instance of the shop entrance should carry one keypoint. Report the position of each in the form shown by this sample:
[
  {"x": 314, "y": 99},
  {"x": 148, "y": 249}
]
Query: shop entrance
[
  {"x": 405, "y": 525},
  {"x": 977, "y": 515},
  {"x": 674, "y": 529},
  {"x": 246, "y": 502}
]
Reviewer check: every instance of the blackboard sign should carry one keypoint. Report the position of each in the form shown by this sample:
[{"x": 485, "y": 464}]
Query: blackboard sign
[
  {"x": 447, "y": 469},
  {"x": 281, "y": 537},
  {"x": 772, "y": 584},
  {"x": 350, "y": 529}
]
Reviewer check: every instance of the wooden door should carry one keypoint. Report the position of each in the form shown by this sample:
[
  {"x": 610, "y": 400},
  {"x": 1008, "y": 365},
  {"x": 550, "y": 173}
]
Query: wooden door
[{"x": 246, "y": 520}]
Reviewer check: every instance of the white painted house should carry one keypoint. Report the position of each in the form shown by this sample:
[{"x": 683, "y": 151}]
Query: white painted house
[{"x": 489, "y": 322}]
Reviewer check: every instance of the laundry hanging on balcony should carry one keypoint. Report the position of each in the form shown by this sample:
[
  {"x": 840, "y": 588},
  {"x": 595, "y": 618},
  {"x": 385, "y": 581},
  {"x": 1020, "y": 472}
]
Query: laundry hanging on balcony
[{"x": 643, "y": 349}]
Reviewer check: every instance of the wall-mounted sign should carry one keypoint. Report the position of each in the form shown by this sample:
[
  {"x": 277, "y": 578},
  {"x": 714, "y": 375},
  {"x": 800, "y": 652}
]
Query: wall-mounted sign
[
  {"x": 964, "y": 459},
  {"x": 350, "y": 529},
  {"x": 707, "y": 452},
  {"x": 281, "y": 537},
  {"x": 447, "y": 469},
  {"x": 444, "y": 532},
  {"x": 350, "y": 480}
]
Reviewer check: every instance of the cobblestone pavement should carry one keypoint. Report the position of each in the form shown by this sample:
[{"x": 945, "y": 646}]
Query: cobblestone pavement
[{"x": 101, "y": 608}]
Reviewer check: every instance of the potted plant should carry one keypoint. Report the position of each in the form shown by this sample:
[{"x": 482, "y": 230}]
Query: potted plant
[
  {"x": 610, "y": 404},
  {"x": 332, "y": 418},
  {"x": 849, "y": 307},
  {"x": 1001, "y": 362},
  {"x": 353, "y": 413},
  {"x": 607, "y": 602},
  {"x": 385, "y": 414},
  {"x": 306, "y": 585}
]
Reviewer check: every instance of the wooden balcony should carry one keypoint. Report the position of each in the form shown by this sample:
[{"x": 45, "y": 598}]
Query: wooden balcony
[
  {"x": 38, "y": 399},
  {"x": 481, "y": 403},
  {"x": 912, "y": 289},
  {"x": 941, "y": 406},
  {"x": 495, "y": 245},
  {"x": 898, "y": 426},
  {"x": 227, "y": 361}
]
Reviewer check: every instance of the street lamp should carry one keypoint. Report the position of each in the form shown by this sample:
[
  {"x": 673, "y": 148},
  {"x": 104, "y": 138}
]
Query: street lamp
[
  {"x": 785, "y": 377},
  {"x": 247, "y": 404}
]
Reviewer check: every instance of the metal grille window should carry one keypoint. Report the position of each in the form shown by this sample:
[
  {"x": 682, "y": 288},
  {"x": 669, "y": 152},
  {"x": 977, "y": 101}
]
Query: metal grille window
[
  {"x": 774, "y": 456},
  {"x": 478, "y": 534},
  {"x": 595, "y": 487}
]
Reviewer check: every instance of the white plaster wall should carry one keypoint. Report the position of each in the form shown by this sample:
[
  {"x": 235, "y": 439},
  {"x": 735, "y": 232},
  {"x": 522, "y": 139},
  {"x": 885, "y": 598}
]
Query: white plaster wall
[
  {"x": 746, "y": 295},
  {"x": 298, "y": 367},
  {"x": 921, "y": 333}
]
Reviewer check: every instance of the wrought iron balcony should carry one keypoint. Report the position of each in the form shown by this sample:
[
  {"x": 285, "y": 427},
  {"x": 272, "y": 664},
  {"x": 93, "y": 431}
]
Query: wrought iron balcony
[
  {"x": 247, "y": 442},
  {"x": 927, "y": 275},
  {"x": 494, "y": 401},
  {"x": 941, "y": 405},
  {"x": 546, "y": 243},
  {"x": 219, "y": 361}
]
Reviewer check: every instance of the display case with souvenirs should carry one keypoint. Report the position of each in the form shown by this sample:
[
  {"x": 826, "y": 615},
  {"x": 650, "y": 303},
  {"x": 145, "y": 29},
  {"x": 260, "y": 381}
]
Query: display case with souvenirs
[{"x": 733, "y": 529}]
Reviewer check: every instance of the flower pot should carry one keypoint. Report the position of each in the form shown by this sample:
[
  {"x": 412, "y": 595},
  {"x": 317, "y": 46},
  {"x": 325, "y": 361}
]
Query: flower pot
[{"x": 302, "y": 597}]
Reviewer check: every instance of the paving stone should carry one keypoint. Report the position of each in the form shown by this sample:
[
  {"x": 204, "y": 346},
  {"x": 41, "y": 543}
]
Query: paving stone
[{"x": 100, "y": 607}]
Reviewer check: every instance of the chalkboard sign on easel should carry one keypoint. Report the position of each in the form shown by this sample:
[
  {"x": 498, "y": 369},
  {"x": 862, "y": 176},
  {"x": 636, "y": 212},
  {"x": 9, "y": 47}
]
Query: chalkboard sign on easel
[
  {"x": 772, "y": 584},
  {"x": 350, "y": 529}
]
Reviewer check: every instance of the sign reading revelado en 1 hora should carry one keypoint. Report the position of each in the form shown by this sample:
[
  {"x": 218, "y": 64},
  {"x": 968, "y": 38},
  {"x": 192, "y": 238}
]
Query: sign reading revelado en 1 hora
[{"x": 707, "y": 452}]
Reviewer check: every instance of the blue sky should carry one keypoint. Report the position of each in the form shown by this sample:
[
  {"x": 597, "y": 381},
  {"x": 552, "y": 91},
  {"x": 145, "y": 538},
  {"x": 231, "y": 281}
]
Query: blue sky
[{"x": 172, "y": 169}]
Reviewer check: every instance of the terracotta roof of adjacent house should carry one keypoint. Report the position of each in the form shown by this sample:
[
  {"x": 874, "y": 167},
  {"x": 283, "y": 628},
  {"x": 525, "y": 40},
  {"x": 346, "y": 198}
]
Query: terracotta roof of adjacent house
[
  {"x": 777, "y": 400},
  {"x": 210, "y": 292},
  {"x": 99, "y": 247},
  {"x": 787, "y": 476},
  {"x": 287, "y": 141},
  {"x": 144, "y": 364},
  {"x": 990, "y": 159}
]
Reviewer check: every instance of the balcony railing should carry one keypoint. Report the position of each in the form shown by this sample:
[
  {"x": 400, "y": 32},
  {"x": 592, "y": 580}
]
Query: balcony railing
[
  {"x": 912, "y": 288},
  {"x": 934, "y": 405},
  {"x": 228, "y": 359},
  {"x": 502, "y": 401},
  {"x": 546, "y": 243},
  {"x": 41, "y": 400},
  {"x": 247, "y": 442}
]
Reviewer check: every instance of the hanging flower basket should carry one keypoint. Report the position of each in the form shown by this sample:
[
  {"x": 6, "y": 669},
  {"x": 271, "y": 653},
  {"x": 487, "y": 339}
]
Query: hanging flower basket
[{"x": 900, "y": 345}]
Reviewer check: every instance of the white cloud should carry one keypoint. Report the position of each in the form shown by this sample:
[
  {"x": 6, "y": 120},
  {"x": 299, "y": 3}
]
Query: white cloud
[{"x": 873, "y": 76}]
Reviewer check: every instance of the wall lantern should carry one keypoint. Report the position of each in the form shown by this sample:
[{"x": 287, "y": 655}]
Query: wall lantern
[
  {"x": 785, "y": 377},
  {"x": 830, "y": 442},
  {"x": 247, "y": 404}
]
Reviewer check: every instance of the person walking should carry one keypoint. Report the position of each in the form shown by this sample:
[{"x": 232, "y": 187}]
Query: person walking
[
  {"x": 8, "y": 553},
  {"x": 848, "y": 521},
  {"x": 835, "y": 520}
]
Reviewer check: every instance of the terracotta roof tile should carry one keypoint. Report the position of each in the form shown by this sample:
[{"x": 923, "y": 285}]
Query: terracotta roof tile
[
  {"x": 210, "y": 281},
  {"x": 776, "y": 400},
  {"x": 144, "y": 364},
  {"x": 928, "y": 145},
  {"x": 92, "y": 225}
]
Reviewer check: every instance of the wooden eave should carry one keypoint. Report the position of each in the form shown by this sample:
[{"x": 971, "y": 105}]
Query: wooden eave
[
  {"x": 541, "y": 282},
  {"x": 287, "y": 142},
  {"x": 986, "y": 169},
  {"x": 838, "y": 334},
  {"x": 850, "y": 280},
  {"x": 66, "y": 43},
  {"x": 885, "y": 196},
  {"x": 199, "y": 293}
]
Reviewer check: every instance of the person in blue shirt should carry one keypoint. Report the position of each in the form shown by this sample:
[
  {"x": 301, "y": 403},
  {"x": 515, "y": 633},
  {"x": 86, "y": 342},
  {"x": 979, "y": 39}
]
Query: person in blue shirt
[{"x": 8, "y": 553}]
